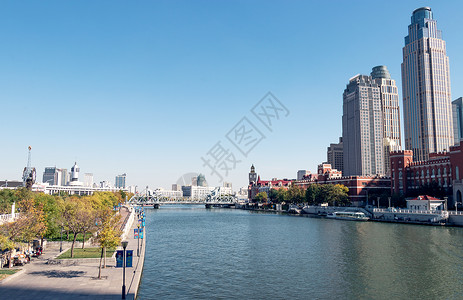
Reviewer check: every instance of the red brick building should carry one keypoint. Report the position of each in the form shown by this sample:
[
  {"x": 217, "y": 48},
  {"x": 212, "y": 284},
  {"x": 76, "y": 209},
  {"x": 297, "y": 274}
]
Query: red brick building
[
  {"x": 256, "y": 185},
  {"x": 441, "y": 168},
  {"x": 360, "y": 187}
]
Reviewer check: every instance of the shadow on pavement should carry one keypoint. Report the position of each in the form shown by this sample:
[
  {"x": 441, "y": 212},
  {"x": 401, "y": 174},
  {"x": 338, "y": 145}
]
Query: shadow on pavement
[
  {"x": 49, "y": 294},
  {"x": 58, "y": 274}
]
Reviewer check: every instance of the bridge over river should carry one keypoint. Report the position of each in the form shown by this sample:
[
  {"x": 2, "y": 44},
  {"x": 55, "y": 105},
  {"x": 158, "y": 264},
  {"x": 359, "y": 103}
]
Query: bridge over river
[{"x": 214, "y": 198}]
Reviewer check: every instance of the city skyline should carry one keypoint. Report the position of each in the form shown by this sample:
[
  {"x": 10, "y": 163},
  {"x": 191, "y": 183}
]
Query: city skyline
[{"x": 148, "y": 89}]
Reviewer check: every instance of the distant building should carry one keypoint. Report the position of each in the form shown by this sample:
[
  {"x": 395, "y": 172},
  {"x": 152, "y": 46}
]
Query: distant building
[
  {"x": 160, "y": 192},
  {"x": 457, "y": 110},
  {"x": 74, "y": 181},
  {"x": 10, "y": 184},
  {"x": 88, "y": 179},
  {"x": 426, "y": 88},
  {"x": 302, "y": 173},
  {"x": 106, "y": 185},
  {"x": 50, "y": 176},
  {"x": 334, "y": 156},
  {"x": 326, "y": 172},
  {"x": 201, "y": 192},
  {"x": 227, "y": 184},
  {"x": 257, "y": 186},
  {"x": 71, "y": 189},
  {"x": 120, "y": 181},
  {"x": 201, "y": 180},
  {"x": 252, "y": 175},
  {"x": 176, "y": 187},
  {"x": 63, "y": 177}
]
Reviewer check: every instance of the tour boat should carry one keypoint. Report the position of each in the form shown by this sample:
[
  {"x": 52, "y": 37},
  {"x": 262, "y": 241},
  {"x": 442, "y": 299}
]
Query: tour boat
[{"x": 348, "y": 215}]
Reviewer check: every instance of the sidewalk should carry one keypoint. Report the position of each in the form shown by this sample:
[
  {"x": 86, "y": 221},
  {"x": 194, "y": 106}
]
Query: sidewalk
[{"x": 41, "y": 280}]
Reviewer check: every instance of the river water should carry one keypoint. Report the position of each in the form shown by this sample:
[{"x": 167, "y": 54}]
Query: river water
[{"x": 198, "y": 253}]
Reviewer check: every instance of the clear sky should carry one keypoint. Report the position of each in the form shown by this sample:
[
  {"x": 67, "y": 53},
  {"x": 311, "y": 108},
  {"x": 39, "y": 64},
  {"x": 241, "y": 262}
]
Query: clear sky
[{"x": 147, "y": 88}]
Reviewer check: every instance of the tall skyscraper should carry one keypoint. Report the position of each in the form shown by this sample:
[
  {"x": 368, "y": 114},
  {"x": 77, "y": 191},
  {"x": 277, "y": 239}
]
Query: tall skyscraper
[
  {"x": 426, "y": 88},
  {"x": 390, "y": 113},
  {"x": 50, "y": 176},
  {"x": 362, "y": 127},
  {"x": 457, "y": 108},
  {"x": 334, "y": 155},
  {"x": 120, "y": 181}
]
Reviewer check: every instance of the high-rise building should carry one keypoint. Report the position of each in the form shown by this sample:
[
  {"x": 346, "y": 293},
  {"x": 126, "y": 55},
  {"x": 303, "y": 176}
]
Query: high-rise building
[
  {"x": 201, "y": 180},
  {"x": 334, "y": 156},
  {"x": 426, "y": 88},
  {"x": 390, "y": 111},
  {"x": 120, "y": 181},
  {"x": 88, "y": 179},
  {"x": 457, "y": 108},
  {"x": 362, "y": 128},
  {"x": 50, "y": 176},
  {"x": 63, "y": 177},
  {"x": 74, "y": 181},
  {"x": 301, "y": 174}
]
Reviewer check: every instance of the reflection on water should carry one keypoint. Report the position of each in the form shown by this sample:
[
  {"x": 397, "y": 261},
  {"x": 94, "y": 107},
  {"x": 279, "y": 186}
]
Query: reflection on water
[{"x": 225, "y": 253}]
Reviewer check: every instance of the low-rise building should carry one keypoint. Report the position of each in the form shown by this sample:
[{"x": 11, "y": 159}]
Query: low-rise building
[
  {"x": 443, "y": 169},
  {"x": 425, "y": 203}
]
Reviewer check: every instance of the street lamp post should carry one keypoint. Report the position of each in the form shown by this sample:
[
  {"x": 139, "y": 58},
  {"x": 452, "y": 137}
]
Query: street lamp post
[
  {"x": 61, "y": 243},
  {"x": 138, "y": 241},
  {"x": 124, "y": 245}
]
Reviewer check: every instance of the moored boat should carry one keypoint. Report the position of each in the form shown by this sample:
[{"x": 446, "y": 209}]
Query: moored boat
[{"x": 348, "y": 215}]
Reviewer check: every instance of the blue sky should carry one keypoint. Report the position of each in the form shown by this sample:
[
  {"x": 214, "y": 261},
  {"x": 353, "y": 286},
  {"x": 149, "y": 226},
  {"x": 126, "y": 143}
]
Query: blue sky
[{"x": 147, "y": 88}]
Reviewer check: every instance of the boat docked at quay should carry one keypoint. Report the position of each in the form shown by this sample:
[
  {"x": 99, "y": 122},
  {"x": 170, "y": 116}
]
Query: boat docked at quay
[{"x": 348, "y": 215}]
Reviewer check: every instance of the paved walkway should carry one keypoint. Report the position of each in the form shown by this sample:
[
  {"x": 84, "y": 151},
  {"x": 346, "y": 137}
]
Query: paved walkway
[{"x": 40, "y": 280}]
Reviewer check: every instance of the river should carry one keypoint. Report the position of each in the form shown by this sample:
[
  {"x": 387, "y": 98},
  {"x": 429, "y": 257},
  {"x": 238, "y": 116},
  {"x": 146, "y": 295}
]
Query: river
[{"x": 198, "y": 253}]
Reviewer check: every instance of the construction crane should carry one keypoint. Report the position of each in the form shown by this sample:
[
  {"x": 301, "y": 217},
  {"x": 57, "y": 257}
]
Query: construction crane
[{"x": 29, "y": 172}]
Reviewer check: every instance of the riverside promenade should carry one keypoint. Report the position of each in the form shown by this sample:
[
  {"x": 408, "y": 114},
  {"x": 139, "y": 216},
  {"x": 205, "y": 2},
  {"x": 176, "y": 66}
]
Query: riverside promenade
[{"x": 76, "y": 279}]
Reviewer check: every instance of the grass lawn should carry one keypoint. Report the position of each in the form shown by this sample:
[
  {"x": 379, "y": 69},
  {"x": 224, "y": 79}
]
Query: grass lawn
[
  {"x": 86, "y": 253},
  {"x": 4, "y": 273}
]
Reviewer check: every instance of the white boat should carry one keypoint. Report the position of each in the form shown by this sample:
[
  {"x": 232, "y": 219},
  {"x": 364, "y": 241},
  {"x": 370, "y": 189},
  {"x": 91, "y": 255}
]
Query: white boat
[{"x": 348, "y": 215}]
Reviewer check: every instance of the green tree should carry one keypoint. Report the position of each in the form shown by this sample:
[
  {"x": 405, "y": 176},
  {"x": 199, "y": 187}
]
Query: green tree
[
  {"x": 78, "y": 217},
  {"x": 312, "y": 194},
  {"x": 282, "y": 196},
  {"x": 108, "y": 234},
  {"x": 261, "y": 197},
  {"x": 7, "y": 198},
  {"x": 338, "y": 195},
  {"x": 273, "y": 195},
  {"x": 295, "y": 194}
]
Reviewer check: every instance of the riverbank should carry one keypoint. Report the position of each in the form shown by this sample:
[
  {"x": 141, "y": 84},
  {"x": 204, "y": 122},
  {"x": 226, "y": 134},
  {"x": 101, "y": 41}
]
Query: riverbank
[
  {"x": 402, "y": 216},
  {"x": 49, "y": 278}
]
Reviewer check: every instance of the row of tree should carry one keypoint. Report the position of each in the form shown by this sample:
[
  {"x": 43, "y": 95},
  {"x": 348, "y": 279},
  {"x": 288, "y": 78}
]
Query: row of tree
[
  {"x": 48, "y": 216},
  {"x": 315, "y": 194}
]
